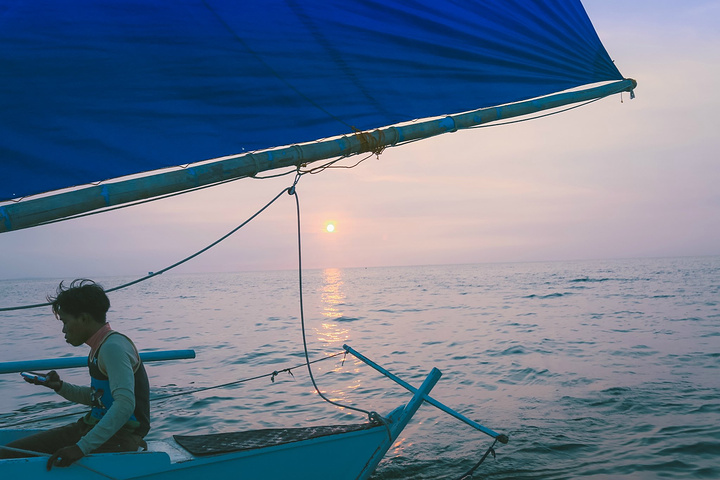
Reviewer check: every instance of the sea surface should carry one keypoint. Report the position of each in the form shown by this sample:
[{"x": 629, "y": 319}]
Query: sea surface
[{"x": 595, "y": 369}]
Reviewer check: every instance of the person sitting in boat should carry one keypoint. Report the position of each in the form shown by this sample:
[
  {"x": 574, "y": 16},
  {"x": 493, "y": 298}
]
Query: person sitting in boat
[{"x": 119, "y": 390}]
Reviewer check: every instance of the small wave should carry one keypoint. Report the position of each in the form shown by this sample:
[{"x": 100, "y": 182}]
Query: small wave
[
  {"x": 570, "y": 447},
  {"x": 526, "y": 376},
  {"x": 635, "y": 352},
  {"x": 550, "y": 295},
  {"x": 589, "y": 280},
  {"x": 698, "y": 448},
  {"x": 677, "y": 430},
  {"x": 709, "y": 472},
  {"x": 514, "y": 350},
  {"x": 575, "y": 382},
  {"x": 616, "y": 391}
]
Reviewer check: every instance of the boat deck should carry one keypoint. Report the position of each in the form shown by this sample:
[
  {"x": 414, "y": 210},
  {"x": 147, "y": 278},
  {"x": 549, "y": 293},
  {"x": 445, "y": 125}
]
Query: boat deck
[{"x": 212, "y": 444}]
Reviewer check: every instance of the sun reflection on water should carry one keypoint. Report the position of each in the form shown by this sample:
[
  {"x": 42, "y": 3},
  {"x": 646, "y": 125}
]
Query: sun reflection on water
[
  {"x": 331, "y": 333},
  {"x": 399, "y": 447},
  {"x": 332, "y": 295}
]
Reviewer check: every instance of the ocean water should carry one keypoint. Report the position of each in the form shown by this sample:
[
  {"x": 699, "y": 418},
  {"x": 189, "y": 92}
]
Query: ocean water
[{"x": 595, "y": 369}]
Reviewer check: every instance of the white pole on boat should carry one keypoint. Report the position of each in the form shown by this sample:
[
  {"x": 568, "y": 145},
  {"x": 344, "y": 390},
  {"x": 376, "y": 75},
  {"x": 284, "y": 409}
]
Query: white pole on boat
[
  {"x": 502, "y": 438},
  {"x": 75, "y": 362},
  {"x": 399, "y": 425}
]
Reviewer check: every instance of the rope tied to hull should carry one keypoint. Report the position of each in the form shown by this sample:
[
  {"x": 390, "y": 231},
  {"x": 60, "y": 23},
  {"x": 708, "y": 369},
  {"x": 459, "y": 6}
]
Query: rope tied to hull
[
  {"x": 490, "y": 451},
  {"x": 373, "y": 417}
]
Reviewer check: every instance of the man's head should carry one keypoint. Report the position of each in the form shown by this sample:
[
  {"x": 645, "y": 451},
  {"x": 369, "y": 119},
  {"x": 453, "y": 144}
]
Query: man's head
[{"x": 82, "y": 307}]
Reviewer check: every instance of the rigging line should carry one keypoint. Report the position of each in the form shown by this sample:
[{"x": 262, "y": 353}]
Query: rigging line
[
  {"x": 489, "y": 124},
  {"x": 277, "y": 175},
  {"x": 322, "y": 167},
  {"x": 317, "y": 169},
  {"x": 293, "y": 191},
  {"x": 184, "y": 392},
  {"x": 486, "y": 125},
  {"x": 490, "y": 450},
  {"x": 313, "y": 170},
  {"x": 236, "y": 382},
  {"x": 330, "y": 165},
  {"x": 159, "y": 272},
  {"x": 539, "y": 116}
]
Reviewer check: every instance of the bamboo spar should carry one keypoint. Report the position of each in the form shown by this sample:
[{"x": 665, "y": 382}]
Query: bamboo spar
[
  {"x": 501, "y": 437},
  {"x": 397, "y": 427},
  {"x": 75, "y": 362},
  {"x": 37, "y": 210}
]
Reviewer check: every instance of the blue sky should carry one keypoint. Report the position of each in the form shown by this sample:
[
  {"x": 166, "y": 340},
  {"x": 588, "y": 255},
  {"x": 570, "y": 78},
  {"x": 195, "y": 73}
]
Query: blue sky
[{"x": 613, "y": 179}]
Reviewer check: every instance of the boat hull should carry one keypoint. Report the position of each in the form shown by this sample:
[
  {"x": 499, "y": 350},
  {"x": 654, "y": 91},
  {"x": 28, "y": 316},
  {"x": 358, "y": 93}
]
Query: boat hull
[
  {"x": 351, "y": 455},
  {"x": 339, "y": 456}
]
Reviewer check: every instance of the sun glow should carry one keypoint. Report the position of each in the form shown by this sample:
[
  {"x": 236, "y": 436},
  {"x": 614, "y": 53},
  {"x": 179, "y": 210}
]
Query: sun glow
[{"x": 330, "y": 227}]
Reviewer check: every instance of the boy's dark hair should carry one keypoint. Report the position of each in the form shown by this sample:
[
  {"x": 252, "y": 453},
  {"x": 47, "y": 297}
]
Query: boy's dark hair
[{"x": 82, "y": 296}]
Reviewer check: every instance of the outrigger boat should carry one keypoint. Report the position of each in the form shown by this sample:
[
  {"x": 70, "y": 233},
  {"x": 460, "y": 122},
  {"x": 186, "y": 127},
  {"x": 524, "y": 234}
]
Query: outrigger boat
[
  {"x": 333, "y": 451},
  {"x": 102, "y": 98}
]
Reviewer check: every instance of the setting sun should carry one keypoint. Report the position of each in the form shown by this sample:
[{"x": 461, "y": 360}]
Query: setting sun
[{"x": 330, "y": 227}]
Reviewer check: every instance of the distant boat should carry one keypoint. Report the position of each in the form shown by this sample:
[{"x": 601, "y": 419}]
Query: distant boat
[{"x": 106, "y": 104}]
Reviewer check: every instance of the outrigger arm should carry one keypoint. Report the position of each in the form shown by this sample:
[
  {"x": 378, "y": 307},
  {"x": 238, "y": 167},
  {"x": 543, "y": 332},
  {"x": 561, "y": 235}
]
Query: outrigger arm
[
  {"x": 502, "y": 438},
  {"x": 76, "y": 362}
]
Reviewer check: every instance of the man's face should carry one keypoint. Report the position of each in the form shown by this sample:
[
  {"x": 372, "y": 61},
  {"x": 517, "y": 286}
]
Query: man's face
[{"x": 74, "y": 328}]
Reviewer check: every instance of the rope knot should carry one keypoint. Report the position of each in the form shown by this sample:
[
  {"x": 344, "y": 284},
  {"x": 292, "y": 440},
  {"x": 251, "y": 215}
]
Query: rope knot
[
  {"x": 369, "y": 143},
  {"x": 278, "y": 372},
  {"x": 375, "y": 418}
]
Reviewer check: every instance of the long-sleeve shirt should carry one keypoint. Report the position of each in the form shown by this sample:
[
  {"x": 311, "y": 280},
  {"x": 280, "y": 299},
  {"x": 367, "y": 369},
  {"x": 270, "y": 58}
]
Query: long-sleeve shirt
[{"x": 118, "y": 359}]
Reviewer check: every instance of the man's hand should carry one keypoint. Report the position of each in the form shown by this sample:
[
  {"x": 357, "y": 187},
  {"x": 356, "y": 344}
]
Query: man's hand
[
  {"x": 52, "y": 380},
  {"x": 65, "y": 457}
]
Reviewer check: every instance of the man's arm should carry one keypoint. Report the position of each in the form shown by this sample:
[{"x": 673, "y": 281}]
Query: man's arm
[
  {"x": 75, "y": 393},
  {"x": 67, "y": 390}
]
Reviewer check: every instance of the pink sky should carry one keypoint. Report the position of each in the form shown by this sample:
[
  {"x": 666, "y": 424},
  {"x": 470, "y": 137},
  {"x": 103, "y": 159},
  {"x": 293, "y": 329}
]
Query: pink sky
[{"x": 610, "y": 180}]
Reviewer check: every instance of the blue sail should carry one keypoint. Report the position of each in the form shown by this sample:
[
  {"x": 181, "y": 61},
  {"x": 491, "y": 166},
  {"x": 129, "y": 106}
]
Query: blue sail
[{"x": 97, "y": 89}]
